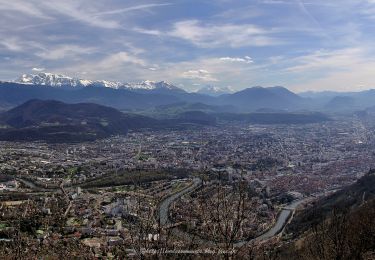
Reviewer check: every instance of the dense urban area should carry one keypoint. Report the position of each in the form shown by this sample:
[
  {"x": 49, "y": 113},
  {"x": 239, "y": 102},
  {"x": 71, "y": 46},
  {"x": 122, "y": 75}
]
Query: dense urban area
[
  {"x": 216, "y": 189},
  {"x": 187, "y": 129}
]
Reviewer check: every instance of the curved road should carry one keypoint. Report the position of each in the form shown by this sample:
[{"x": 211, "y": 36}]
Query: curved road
[
  {"x": 27, "y": 183},
  {"x": 164, "y": 205},
  {"x": 276, "y": 229},
  {"x": 197, "y": 182}
]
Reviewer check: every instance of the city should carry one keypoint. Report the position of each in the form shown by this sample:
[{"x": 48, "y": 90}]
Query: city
[
  {"x": 189, "y": 129},
  {"x": 107, "y": 194}
]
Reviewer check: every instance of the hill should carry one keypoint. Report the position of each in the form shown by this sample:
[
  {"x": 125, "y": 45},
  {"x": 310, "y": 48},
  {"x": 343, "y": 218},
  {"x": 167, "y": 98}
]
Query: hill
[
  {"x": 13, "y": 94},
  {"x": 171, "y": 110},
  {"x": 55, "y": 121},
  {"x": 274, "y": 118},
  {"x": 340, "y": 101},
  {"x": 254, "y": 98},
  {"x": 341, "y": 226},
  {"x": 346, "y": 199},
  {"x": 195, "y": 117}
]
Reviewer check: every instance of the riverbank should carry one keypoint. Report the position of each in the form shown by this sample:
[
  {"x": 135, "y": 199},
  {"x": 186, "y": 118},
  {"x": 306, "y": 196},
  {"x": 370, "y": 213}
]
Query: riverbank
[{"x": 283, "y": 218}]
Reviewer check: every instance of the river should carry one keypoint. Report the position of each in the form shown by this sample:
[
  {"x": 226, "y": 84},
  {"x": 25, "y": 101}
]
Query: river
[{"x": 281, "y": 221}]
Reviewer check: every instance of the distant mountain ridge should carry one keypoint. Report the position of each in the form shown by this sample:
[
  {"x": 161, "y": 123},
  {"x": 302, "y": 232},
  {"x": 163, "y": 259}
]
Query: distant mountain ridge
[
  {"x": 34, "y": 112},
  {"x": 215, "y": 91},
  {"x": 259, "y": 97},
  {"x": 58, "y": 80},
  {"x": 248, "y": 100},
  {"x": 341, "y": 101},
  {"x": 14, "y": 94},
  {"x": 266, "y": 118},
  {"x": 148, "y": 95},
  {"x": 55, "y": 121}
]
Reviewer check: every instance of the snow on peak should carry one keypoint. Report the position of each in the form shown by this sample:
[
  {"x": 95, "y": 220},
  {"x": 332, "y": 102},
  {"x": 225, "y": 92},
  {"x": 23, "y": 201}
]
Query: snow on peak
[
  {"x": 57, "y": 80},
  {"x": 214, "y": 90},
  {"x": 49, "y": 79},
  {"x": 165, "y": 84},
  {"x": 151, "y": 85}
]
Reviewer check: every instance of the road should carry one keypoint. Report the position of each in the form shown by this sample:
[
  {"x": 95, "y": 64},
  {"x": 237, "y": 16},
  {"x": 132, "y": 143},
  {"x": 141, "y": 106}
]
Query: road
[
  {"x": 164, "y": 205},
  {"x": 28, "y": 183},
  {"x": 36, "y": 188},
  {"x": 282, "y": 219}
]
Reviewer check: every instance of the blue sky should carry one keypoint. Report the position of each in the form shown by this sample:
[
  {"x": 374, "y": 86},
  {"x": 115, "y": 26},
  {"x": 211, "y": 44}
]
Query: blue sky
[{"x": 300, "y": 44}]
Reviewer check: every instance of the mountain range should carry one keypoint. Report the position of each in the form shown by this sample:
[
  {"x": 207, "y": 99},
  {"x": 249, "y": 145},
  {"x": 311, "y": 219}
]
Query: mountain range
[
  {"x": 214, "y": 90},
  {"x": 58, "y": 80},
  {"x": 138, "y": 96},
  {"x": 55, "y": 121},
  {"x": 258, "y": 97},
  {"x": 151, "y": 96}
]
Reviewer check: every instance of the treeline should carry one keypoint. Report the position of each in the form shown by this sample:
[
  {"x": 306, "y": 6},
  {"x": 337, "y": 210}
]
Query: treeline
[
  {"x": 134, "y": 177},
  {"x": 341, "y": 226},
  {"x": 343, "y": 235},
  {"x": 351, "y": 197},
  {"x": 274, "y": 118}
]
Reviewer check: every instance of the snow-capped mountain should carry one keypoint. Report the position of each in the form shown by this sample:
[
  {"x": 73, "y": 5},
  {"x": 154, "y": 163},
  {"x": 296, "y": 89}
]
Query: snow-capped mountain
[
  {"x": 215, "y": 91},
  {"x": 53, "y": 80},
  {"x": 150, "y": 85},
  {"x": 57, "y": 80}
]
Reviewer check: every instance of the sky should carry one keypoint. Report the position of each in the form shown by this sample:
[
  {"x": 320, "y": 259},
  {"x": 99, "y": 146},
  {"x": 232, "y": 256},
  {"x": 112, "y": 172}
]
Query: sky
[{"x": 304, "y": 45}]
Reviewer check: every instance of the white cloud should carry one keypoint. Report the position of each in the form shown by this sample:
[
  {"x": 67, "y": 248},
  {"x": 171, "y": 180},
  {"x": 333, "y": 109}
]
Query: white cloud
[
  {"x": 11, "y": 44},
  {"x": 64, "y": 51},
  {"x": 38, "y": 69},
  {"x": 16, "y": 44},
  {"x": 120, "y": 58},
  {"x": 120, "y": 66},
  {"x": 245, "y": 59},
  {"x": 149, "y": 32},
  {"x": 24, "y": 7},
  {"x": 201, "y": 74},
  {"x": 79, "y": 12},
  {"x": 132, "y": 8},
  {"x": 53, "y": 34},
  {"x": 358, "y": 78},
  {"x": 207, "y": 69},
  {"x": 345, "y": 70},
  {"x": 87, "y": 12},
  {"x": 369, "y": 11},
  {"x": 240, "y": 13},
  {"x": 213, "y": 35},
  {"x": 342, "y": 59}
]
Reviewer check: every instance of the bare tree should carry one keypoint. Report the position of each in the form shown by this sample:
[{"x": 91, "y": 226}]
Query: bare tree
[
  {"x": 147, "y": 235},
  {"x": 224, "y": 213}
]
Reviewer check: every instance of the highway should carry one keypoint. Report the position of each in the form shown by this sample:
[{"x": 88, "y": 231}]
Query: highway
[
  {"x": 282, "y": 219},
  {"x": 164, "y": 205}
]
